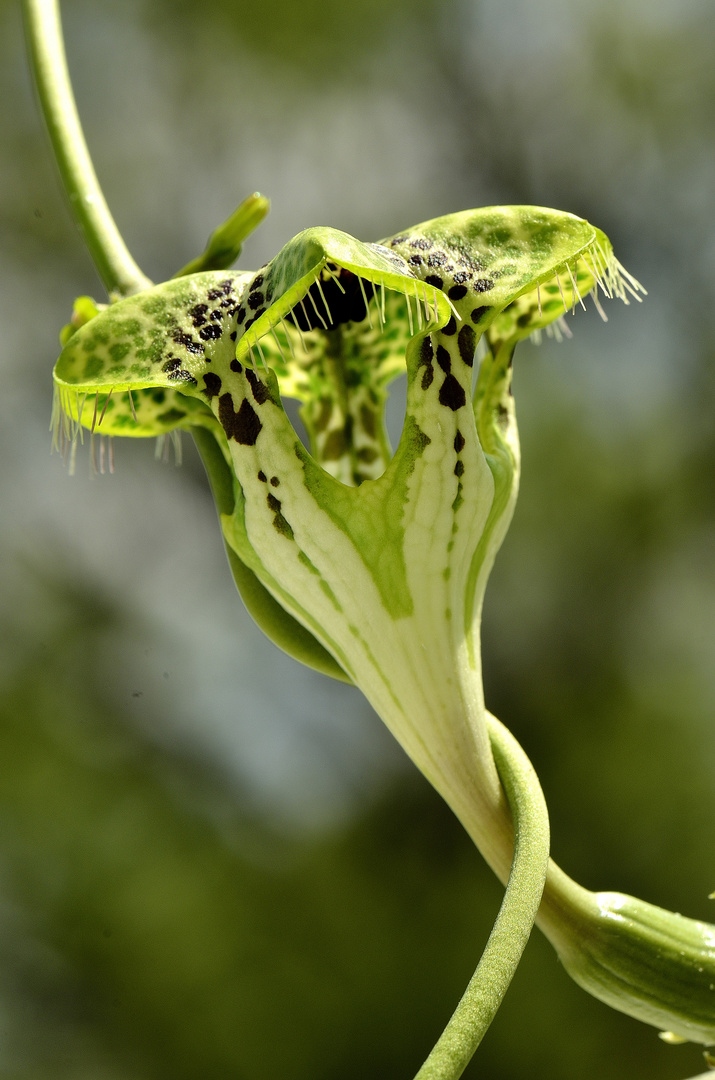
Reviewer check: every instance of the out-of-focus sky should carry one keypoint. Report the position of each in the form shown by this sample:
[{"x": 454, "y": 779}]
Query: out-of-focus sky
[{"x": 598, "y": 635}]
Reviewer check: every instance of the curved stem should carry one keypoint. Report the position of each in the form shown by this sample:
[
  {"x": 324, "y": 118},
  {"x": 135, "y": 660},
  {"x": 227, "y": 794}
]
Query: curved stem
[
  {"x": 483, "y": 996},
  {"x": 115, "y": 266}
]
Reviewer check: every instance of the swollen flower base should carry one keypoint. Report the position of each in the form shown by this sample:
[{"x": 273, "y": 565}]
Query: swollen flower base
[{"x": 367, "y": 564}]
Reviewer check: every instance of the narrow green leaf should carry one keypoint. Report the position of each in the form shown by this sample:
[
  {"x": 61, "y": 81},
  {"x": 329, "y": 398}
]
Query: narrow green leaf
[{"x": 226, "y": 242}]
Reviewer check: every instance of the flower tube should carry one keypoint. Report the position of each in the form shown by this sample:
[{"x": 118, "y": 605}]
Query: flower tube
[{"x": 367, "y": 564}]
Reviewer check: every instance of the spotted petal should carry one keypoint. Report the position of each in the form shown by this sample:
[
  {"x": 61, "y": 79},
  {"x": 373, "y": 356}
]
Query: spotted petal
[
  {"x": 331, "y": 321},
  {"x": 368, "y": 564},
  {"x": 122, "y": 371}
]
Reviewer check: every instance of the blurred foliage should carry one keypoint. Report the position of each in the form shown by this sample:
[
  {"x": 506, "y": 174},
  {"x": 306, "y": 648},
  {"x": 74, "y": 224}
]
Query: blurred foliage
[
  {"x": 323, "y": 39},
  {"x": 155, "y": 928},
  {"x": 159, "y": 917}
]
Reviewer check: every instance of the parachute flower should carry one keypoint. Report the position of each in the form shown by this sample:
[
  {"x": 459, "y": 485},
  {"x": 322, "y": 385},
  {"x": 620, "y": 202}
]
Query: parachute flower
[
  {"x": 368, "y": 564},
  {"x": 379, "y": 560}
]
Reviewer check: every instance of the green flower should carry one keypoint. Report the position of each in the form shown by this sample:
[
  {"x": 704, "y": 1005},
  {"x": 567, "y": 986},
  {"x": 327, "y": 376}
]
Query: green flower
[
  {"x": 380, "y": 559},
  {"x": 370, "y": 564}
]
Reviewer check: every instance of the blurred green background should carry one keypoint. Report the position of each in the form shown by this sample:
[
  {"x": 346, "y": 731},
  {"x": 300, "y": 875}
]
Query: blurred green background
[{"x": 212, "y": 862}]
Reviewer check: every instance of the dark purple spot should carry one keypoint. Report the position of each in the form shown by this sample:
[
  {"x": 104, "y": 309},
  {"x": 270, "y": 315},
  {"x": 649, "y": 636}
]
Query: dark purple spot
[
  {"x": 426, "y": 361},
  {"x": 443, "y": 359},
  {"x": 233, "y": 335},
  {"x": 188, "y": 342},
  {"x": 279, "y": 522},
  {"x": 213, "y": 385},
  {"x": 260, "y": 391},
  {"x": 226, "y": 285},
  {"x": 214, "y": 294},
  {"x": 459, "y": 469},
  {"x": 262, "y": 476},
  {"x": 457, "y": 292},
  {"x": 275, "y": 481},
  {"x": 255, "y": 300},
  {"x": 282, "y": 526},
  {"x": 243, "y": 426},
  {"x": 452, "y": 394},
  {"x": 210, "y": 332},
  {"x": 437, "y": 258},
  {"x": 451, "y": 327},
  {"x": 415, "y": 260},
  {"x": 478, "y": 312},
  {"x": 483, "y": 285},
  {"x": 241, "y": 314},
  {"x": 432, "y": 279},
  {"x": 235, "y": 366},
  {"x": 459, "y": 278},
  {"x": 421, "y": 243},
  {"x": 216, "y": 314},
  {"x": 247, "y": 425},
  {"x": 397, "y": 240},
  {"x": 459, "y": 442},
  {"x": 257, "y": 281},
  {"x": 181, "y": 375},
  {"x": 467, "y": 342},
  {"x": 330, "y": 303},
  {"x": 198, "y": 314}
]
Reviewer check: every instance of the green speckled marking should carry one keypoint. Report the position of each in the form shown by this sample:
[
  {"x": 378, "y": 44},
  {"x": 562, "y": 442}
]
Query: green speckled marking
[{"x": 219, "y": 350}]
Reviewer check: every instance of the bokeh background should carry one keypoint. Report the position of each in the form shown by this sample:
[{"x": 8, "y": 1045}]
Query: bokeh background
[{"x": 212, "y": 862}]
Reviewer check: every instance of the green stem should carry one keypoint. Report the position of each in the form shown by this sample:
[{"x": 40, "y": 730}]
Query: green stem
[
  {"x": 483, "y": 996},
  {"x": 116, "y": 267}
]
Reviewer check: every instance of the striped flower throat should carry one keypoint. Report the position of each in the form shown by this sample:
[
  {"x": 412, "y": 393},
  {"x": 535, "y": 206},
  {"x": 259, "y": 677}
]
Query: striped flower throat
[
  {"x": 331, "y": 321},
  {"x": 367, "y": 564}
]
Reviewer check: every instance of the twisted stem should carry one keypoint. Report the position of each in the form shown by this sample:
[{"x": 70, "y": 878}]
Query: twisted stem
[{"x": 510, "y": 933}]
